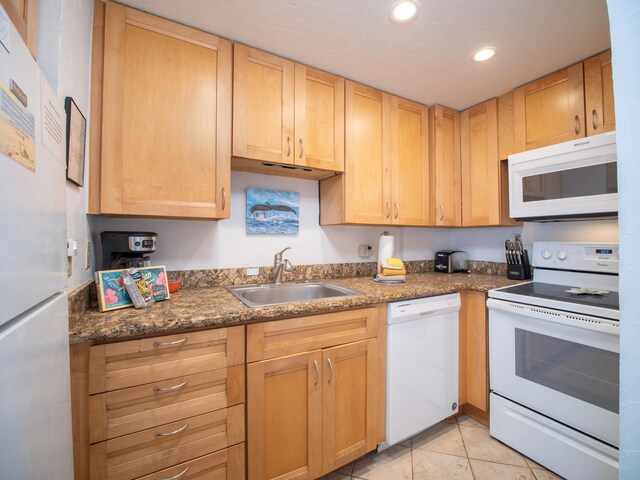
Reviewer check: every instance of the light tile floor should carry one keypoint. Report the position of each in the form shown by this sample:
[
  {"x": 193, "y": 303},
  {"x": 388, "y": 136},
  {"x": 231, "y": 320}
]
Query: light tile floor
[{"x": 457, "y": 449}]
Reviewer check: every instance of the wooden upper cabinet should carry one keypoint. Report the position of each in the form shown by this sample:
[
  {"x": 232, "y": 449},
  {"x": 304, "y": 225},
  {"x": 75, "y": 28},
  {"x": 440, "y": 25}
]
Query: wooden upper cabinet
[
  {"x": 286, "y": 113},
  {"x": 410, "y": 176},
  {"x": 166, "y": 117},
  {"x": 24, "y": 15},
  {"x": 386, "y": 173},
  {"x": 367, "y": 195},
  {"x": 598, "y": 89},
  {"x": 550, "y": 110},
  {"x": 319, "y": 119},
  {"x": 445, "y": 166},
  {"x": 480, "y": 165},
  {"x": 263, "y": 108}
]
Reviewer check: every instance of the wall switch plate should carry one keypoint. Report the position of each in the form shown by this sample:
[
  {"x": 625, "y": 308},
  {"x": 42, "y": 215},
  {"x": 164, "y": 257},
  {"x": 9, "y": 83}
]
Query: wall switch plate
[
  {"x": 364, "y": 251},
  {"x": 69, "y": 266},
  {"x": 253, "y": 272}
]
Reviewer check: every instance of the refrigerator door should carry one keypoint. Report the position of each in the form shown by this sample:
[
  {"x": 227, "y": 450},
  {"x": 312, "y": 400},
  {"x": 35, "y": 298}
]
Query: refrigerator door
[
  {"x": 35, "y": 398},
  {"x": 32, "y": 203}
]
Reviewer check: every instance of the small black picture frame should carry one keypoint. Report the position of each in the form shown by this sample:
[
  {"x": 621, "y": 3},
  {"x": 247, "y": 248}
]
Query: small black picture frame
[{"x": 76, "y": 142}]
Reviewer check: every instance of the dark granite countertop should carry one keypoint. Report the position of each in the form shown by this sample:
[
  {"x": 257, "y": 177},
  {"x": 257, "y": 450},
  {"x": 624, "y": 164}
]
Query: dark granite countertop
[{"x": 195, "y": 308}]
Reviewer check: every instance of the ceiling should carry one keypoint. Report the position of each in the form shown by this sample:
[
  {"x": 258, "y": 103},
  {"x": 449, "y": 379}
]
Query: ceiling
[{"x": 428, "y": 59}]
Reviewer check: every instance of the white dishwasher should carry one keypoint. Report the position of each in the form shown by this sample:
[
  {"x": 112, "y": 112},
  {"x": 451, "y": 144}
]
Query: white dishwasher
[{"x": 422, "y": 364}]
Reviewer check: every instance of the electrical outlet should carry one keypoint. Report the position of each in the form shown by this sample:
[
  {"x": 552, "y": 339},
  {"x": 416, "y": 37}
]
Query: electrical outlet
[
  {"x": 364, "y": 251},
  {"x": 253, "y": 272},
  {"x": 87, "y": 262},
  {"x": 69, "y": 266}
]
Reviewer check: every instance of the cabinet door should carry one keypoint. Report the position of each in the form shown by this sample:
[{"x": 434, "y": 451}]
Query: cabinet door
[
  {"x": 349, "y": 398},
  {"x": 319, "y": 119},
  {"x": 480, "y": 165},
  {"x": 367, "y": 185},
  {"x": 409, "y": 163},
  {"x": 549, "y": 110},
  {"x": 263, "y": 108},
  {"x": 284, "y": 406},
  {"x": 474, "y": 366},
  {"x": 24, "y": 16},
  {"x": 165, "y": 131},
  {"x": 598, "y": 89},
  {"x": 445, "y": 166}
]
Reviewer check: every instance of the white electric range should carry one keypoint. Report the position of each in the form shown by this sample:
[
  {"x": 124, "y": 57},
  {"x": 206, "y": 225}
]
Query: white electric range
[{"x": 554, "y": 360}]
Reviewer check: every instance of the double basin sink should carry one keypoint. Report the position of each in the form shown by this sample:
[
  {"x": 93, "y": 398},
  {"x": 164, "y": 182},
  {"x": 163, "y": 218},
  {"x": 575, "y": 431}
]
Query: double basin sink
[{"x": 277, "y": 294}]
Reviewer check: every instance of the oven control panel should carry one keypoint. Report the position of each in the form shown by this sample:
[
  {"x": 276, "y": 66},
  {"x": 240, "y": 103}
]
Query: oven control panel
[{"x": 579, "y": 256}]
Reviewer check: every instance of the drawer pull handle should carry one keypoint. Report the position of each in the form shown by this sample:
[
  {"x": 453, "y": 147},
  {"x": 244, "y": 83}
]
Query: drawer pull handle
[
  {"x": 330, "y": 370},
  {"x": 315, "y": 366},
  {"x": 175, "y": 477},
  {"x": 577, "y": 124},
  {"x": 301, "y": 149},
  {"x": 171, "y": 389},
  {"x": 175, "y": 432},
  {"x": 170, "y": 344},
  {"x": 441, "y": 213},
  {"x": 594, "y": 119}
]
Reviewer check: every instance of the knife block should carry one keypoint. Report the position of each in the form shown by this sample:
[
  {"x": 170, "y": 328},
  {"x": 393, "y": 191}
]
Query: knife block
[{"x": 520, "y": 271}]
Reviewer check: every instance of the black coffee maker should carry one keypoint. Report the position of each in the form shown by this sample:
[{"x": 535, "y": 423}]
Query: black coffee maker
[{"x": 127, "y": 249}]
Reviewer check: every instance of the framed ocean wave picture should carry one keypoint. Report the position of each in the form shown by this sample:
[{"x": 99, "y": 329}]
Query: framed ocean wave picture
[{"x": 273, "y": 212}]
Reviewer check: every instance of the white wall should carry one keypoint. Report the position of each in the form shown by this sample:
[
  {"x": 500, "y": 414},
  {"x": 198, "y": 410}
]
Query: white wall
[
  {"x": 186, "y": 245},
  {"x": 488, "y": 243},
  {"x": 624, "y": 16},
  {"x": 64, "y": 55}
]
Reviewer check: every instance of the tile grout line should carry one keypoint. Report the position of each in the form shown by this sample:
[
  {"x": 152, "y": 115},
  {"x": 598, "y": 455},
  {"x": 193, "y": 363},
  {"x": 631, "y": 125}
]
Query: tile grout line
[{"x": 473, "y": 476}]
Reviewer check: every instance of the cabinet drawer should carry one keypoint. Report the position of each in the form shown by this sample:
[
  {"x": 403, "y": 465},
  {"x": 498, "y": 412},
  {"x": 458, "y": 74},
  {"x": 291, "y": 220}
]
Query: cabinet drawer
[
  {"x": 287, "y": 337},
  {"x": 137, "y": 362},
  {"x": 142, "y": 453},
  {"x": 129, "y": 410},
  {"x": 228, "y": 464}
]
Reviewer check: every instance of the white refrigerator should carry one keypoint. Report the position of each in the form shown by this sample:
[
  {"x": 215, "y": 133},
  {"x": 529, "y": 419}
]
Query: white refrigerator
[{"x": 35, "y": 404}]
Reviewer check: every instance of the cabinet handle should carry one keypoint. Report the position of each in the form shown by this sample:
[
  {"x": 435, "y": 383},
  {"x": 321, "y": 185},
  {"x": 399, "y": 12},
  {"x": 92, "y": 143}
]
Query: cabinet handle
[
  {"x": 388, "y": 210},
  {"x": 171, "y": 389},
  {"x": 170, "y": 344},
  {"x": 288, "y": 146},
  {"x": 224, "y": 198},
  {"x": 594, "y": 119},
  {"x": 175, "y": 432},
  {"x": 301, "y": 149},
  {"x": 317, "y": 369},
  {"x": 330, "y": 370},
  {"x": 175, "y": 477},
  {"x": 577, "y": 124},
  {"x": 395, "y": 204},
  {"x": 441, "y": 212}
]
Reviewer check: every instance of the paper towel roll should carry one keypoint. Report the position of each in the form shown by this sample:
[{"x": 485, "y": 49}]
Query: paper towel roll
[{"x": 385, "y": 247}]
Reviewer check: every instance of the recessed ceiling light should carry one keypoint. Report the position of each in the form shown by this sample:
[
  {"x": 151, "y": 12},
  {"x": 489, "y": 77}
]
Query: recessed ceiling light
[
  {"x": 484, "y": 54},
  {"x": 404, "y": 11}
]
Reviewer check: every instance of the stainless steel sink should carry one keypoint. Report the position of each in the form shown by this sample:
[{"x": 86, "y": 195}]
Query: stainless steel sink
[{"x": 276, "y": 294}]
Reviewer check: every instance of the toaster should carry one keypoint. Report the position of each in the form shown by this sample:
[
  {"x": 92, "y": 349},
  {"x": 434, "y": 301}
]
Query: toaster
[{"x": 449, "y": 261}]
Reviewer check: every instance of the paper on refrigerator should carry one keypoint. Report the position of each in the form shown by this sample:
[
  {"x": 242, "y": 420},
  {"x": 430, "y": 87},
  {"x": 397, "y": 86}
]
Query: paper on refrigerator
[{"x": 17, "y": 129}]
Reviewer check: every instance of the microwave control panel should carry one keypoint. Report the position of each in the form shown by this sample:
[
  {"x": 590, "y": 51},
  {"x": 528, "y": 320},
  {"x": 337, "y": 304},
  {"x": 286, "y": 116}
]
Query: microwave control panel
[{"x": 579, "y": 256}]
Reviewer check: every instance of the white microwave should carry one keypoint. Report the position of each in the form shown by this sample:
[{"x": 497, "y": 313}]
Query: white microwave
[{"x": 576, "y": 179}]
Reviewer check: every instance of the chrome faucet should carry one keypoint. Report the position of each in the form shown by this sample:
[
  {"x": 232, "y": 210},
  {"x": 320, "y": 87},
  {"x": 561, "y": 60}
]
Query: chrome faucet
[{"x": 279, "y": 265}]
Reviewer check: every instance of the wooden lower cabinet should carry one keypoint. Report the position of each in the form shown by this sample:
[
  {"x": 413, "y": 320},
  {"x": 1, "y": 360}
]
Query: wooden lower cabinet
[
  {"x": 163, "y": 407},
  {"x": 310, "y": 413},
  {"x": 349, "y": 399},
  {"x": 473, "y": 380}
]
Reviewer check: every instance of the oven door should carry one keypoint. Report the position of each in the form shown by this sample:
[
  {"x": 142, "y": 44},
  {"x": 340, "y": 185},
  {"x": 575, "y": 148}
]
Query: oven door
[
  {"x": 572, "y": 179},
  {"x": 562, "y": 365}
]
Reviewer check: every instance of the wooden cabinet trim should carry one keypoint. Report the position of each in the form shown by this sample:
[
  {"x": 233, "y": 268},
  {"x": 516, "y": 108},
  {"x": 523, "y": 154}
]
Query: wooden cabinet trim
[
  {"x": 25, "y": 22},
  {"x": 598, "y": 90}
]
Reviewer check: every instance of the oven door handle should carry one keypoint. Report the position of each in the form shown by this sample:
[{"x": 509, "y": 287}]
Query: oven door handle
[{"x": 577, "y": 320}]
